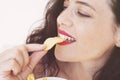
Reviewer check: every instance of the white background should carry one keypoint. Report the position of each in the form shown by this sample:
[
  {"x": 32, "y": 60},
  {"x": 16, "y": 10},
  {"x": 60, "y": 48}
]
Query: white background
[{"x": 16, "y": 19}]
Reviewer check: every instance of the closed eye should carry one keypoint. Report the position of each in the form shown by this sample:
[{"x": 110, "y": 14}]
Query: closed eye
[{"x": 83, "y": 14}]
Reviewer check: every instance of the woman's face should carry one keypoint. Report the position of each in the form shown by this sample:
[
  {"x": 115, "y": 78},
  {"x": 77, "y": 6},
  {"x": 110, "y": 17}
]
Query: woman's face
[{"x": 91, "y": 23}]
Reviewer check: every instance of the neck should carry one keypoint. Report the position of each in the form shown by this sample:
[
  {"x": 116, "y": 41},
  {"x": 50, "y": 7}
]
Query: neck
[{"x": 83, "y": 70}]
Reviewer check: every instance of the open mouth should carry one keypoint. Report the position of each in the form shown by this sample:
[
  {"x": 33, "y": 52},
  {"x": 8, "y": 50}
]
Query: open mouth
[{"x": 69, "y": 38}]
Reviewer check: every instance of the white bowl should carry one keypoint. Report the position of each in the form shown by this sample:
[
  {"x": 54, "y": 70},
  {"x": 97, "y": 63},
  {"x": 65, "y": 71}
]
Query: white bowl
[{"x": 52, "y": 78}]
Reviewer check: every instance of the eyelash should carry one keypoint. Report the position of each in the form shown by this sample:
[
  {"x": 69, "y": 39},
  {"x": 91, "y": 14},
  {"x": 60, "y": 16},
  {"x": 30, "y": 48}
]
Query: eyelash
[
  {"x": 83, "y": 14},
  {"x": 80, "y": 13}
]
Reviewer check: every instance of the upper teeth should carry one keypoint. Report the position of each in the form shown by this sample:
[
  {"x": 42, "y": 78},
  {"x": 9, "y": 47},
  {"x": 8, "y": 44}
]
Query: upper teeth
[{"x": 66, "y": 37}]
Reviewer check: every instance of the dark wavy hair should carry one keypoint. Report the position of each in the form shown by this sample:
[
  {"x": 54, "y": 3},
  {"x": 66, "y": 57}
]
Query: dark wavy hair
[{"x": 48, "y": 65}]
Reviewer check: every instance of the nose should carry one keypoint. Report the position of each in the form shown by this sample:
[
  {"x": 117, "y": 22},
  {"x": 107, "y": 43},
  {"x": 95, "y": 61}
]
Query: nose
[{"x": 65, "y": 19}]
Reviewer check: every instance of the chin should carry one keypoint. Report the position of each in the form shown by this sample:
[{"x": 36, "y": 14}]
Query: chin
[
  {"x": 63, "y": 53},
  {"x": 60, "y": 57}
]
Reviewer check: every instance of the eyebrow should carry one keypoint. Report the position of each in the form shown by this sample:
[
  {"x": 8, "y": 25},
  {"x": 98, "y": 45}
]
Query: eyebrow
[{"x": 86, "y": 4}]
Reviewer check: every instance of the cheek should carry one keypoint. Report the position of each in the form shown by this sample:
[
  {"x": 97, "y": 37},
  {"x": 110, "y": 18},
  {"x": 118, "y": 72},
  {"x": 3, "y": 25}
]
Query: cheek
[{"x": 94, "y": 41}]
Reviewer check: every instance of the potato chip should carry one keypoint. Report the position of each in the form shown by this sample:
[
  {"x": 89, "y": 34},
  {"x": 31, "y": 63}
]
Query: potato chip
[
  {"x": 44, "y": 78},
  {"x": 50, "y": 42},
  {"x": 30, "y": 77}
]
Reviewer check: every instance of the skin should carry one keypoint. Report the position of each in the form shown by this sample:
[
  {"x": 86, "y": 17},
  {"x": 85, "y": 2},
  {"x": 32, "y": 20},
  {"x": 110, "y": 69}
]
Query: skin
[
  {"x": 95, "y": 35},
  {"x": 95, "y": 32},
  {"x": 16, "y": 64}
]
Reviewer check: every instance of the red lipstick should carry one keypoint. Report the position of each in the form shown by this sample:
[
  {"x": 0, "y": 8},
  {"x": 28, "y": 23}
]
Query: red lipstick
[{"x": 69, "y": 38}]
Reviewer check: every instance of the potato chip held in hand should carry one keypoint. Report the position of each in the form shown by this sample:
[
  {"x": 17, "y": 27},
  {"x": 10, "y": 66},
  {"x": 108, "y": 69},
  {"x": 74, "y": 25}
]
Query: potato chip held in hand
[{"x": 50, "y": 42}]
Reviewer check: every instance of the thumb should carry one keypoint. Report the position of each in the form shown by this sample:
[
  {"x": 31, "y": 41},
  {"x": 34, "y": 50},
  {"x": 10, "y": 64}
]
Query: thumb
[{"x": 35, "y": 58}]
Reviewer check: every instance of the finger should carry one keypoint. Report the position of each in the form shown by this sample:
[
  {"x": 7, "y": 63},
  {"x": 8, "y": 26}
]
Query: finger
[
  {"x": 21, "y": 53},
  {"x": 29, "y": 47},
  {"x": 12, "y": 54},
  {"x": 25, "y": 55},
  {"x": 10, "y": 66},
  {"x": 34, "y": 59},
  {"x": 34, "y": 47}
]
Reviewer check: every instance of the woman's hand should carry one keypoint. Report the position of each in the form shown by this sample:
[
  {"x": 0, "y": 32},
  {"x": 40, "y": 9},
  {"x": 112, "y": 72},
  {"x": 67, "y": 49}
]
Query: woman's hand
[{"x": 16, "y": 64}]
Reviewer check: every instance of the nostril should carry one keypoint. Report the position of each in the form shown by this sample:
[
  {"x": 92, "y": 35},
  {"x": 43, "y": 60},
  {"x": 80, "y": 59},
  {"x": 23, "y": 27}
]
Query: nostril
[
  {"x": 64, "y": 20},
  {"x": 58, "y": 25}
]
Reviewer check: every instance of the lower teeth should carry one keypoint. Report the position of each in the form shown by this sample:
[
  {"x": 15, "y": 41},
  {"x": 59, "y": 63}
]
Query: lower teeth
[{"x": 72, "y": 40}]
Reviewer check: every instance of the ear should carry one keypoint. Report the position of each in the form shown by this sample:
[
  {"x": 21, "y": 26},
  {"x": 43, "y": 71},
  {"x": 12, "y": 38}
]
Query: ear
[{"x": 117, "y": 37}]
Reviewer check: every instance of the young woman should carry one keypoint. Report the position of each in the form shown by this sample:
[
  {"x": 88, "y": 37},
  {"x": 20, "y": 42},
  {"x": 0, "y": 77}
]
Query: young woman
[{"x": 91, "y": 52}]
